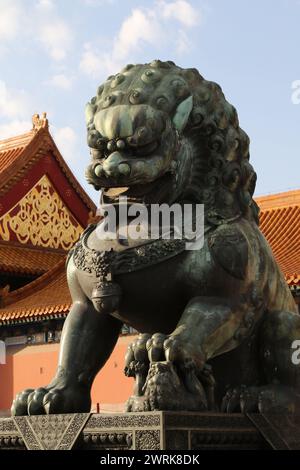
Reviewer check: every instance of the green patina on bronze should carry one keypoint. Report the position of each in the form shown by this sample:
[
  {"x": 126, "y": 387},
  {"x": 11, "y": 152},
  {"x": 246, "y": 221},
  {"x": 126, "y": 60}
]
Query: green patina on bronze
[{"x": 216, "y": 324}]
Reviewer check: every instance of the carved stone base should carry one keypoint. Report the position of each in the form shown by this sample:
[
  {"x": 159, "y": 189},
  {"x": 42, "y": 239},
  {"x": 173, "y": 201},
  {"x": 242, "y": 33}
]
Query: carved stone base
[{"x": 150, "y": 431}]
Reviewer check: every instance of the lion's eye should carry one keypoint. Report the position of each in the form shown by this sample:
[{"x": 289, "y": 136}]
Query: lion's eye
[{"x": 144, "y": 150}]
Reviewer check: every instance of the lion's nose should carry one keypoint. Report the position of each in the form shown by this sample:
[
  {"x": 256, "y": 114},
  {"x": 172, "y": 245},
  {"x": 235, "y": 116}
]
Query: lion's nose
[{"x": 115, "y": 166}]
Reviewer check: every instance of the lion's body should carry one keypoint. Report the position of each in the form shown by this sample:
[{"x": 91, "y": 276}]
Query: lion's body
[
  {"x": 218, "y": 316},
  {"x": 156, "y": 296}
]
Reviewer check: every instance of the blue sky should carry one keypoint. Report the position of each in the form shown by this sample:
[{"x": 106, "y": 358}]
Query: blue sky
[{"x": 55, "y": 53}]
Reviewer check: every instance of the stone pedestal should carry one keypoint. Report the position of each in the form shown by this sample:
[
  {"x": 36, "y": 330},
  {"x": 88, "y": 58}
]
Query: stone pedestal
[{"x": 149, "y": 431}]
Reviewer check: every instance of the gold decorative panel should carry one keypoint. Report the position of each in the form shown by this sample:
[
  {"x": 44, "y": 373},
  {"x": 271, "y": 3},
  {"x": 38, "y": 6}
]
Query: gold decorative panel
[{"x": 41, "y": 218}]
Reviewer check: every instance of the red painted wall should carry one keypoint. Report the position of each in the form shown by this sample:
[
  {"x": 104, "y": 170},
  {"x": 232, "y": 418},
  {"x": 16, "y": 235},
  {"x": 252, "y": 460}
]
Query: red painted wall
[{"x": 34, "y": 366}]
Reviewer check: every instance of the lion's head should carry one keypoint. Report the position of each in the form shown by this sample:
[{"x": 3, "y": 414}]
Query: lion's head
[{"x": 158, "y": 132}]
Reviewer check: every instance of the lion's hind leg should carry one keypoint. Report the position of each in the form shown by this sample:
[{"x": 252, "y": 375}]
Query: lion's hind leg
[
  {"x": 279, "y": 331},
  {"x": 280, "y": 369}
]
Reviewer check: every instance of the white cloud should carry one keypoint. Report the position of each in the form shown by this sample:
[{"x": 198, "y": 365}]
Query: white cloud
[
  {"x": 96, "y": 3},
  {"x": 66, "y": 140},
  {"x": 4, "y": 50},
  {"x": 43, "y": 24},
  {"x": 183, "y": 44},
  {"x": 144, "y": 26},
  {"x": 92, "y": 62},
  {"x": 13, "y": 103},
  {"x": 10, "y": 16},
  {"x": 45, "y": 4},
  {"x": 56, "y": 36},
  {"x": 52, "y": 31},
  {"x": 14, "y": 111},
  {"x": 180, "y": 10},
  {"x": 140, "y": 28},
  {"x": 61, "y": 81},
  {"x": 15, "y": 127}
]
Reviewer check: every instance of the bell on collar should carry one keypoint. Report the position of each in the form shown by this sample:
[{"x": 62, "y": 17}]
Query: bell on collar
[{"x": 106, "y": 296}]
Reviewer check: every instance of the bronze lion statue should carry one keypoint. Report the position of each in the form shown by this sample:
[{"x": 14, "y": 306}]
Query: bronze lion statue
[{"x": 216, "y": 324}]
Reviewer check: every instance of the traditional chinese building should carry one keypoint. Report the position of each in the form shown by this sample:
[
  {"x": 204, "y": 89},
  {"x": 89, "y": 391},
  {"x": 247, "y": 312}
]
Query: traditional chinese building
[
  {"x": 43, "y": 210},
  {"x": 280, "y": 223}
]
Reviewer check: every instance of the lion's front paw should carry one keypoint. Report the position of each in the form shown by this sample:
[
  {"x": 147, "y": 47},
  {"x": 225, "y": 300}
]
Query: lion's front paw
[
  {"x": 164, "y": 390},
  {"x": 170, "y": 374},
  {"x": 51, "y": 400}
]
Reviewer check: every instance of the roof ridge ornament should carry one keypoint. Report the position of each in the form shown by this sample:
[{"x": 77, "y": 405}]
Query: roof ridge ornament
[{"x": 39, "y": 122}]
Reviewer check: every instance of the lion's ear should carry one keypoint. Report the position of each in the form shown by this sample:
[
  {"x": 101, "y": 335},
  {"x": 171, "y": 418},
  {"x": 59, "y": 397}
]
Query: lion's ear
[
  {"x": 182, "y": 113},
  {"x": 89, "y": 113}
]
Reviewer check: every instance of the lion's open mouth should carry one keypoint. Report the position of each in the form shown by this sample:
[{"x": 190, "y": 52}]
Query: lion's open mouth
[{"x": 147, "y": 193}]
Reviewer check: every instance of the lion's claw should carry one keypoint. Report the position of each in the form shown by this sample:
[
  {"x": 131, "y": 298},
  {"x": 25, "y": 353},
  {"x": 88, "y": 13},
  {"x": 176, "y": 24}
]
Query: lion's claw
[
  {"x": 51, "y": 400},
  {"x": 268, "y": 398}
]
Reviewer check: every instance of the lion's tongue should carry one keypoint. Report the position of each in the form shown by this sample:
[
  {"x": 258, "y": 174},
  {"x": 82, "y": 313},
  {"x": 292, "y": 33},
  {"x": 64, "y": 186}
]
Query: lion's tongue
[
  {"x": 155, "y": 192},
  {"x": 114, "y": 192},
  {"x": 136, "y": 190}
]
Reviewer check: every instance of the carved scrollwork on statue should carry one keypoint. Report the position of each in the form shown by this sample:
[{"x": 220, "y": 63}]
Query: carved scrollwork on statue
[{"x": 103, "y": 263}]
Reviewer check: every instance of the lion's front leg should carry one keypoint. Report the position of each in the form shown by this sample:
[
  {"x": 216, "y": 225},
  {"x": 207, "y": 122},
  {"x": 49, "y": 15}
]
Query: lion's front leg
[
  {"x": 178, "y": 376},
  {"x": 88, "y": 339}
]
